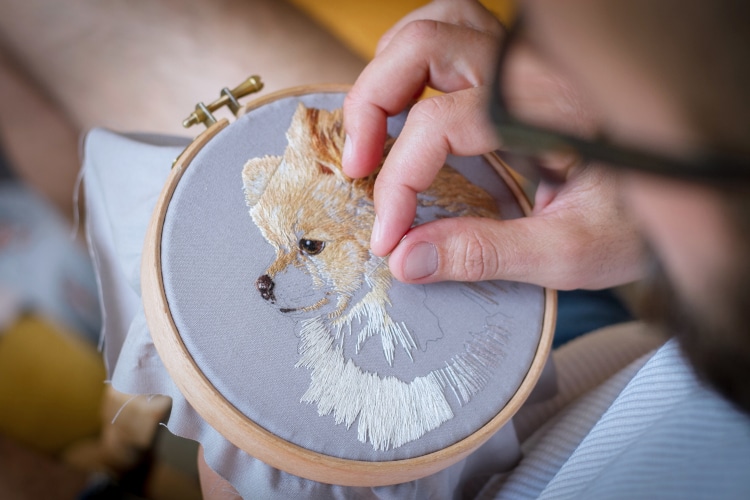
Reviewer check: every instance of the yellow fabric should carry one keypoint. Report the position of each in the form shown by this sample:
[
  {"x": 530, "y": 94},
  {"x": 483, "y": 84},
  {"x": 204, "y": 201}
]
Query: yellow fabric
[
  {"x": 360, "y": 23},
  {"x": 51, "y": 385}
]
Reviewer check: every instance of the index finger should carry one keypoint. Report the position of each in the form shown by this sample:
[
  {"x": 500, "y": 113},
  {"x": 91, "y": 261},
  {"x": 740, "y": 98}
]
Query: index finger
[
  {"x": 455, "y": 123},
  {"x": 448, "y": 57}
]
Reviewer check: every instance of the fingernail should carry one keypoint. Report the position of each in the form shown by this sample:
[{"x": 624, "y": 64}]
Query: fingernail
[
  {"x": 421, "y": 261},
  {"x": 346, "y": 154}
]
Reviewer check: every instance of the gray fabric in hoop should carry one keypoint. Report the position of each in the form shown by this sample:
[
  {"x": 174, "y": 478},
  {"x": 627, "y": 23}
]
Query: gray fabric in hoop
[{"x": 212, "y": 253}]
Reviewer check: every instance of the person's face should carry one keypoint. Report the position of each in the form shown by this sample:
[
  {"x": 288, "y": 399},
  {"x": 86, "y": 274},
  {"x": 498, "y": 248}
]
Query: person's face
[
  {"x": 683, "y": 222},
  {"x": 699, "y": 287}
]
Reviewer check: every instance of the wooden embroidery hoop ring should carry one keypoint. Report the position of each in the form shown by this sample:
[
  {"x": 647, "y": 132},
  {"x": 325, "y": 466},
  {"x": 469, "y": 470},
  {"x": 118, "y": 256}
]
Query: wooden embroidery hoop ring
[{"x": 248, "y": 435}]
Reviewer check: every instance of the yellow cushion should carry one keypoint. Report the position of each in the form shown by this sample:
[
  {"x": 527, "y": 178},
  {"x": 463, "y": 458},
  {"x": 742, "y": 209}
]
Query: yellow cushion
[
  {"x": 51, "y": 385},
  {"x": 360, "y": 23}
]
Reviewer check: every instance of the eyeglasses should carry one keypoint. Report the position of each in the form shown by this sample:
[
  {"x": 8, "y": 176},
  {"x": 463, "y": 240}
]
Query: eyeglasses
[{"x": 532, "y": 140}]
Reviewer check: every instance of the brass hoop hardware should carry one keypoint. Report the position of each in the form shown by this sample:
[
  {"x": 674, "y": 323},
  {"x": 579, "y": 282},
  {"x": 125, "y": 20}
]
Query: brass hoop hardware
[{"x": 204, "y": 112}]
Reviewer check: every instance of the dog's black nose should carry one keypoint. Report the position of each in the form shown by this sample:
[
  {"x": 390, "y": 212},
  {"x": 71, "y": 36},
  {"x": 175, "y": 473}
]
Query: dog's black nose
[{"x": 264, "y": 284}]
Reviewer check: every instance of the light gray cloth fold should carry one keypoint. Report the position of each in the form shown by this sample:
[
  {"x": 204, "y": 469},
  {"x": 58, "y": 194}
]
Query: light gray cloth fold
[{"x": 660, "y": 433}]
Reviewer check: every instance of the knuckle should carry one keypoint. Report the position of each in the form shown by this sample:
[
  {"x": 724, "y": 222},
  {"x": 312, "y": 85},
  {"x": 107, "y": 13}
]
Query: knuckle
[
  {"x": 477, "y": 258},
  {"x": 419, "y": 32},
  {"x": 425, "y": 111},
  {"x": 435, "y": 110}
]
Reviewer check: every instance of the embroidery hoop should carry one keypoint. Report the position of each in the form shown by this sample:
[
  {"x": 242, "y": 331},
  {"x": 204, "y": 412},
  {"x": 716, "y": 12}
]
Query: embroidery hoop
[{"x": 247, "y": 434}]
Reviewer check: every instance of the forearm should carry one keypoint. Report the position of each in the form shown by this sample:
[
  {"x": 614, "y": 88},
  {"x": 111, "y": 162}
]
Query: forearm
[
  {"x": 143, "y": 65},
  {"x": 37, "y": 140}
]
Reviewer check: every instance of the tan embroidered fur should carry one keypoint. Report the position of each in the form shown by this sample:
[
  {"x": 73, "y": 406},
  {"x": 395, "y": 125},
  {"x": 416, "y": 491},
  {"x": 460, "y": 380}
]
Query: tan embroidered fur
[{"x": 319, "y": 222}]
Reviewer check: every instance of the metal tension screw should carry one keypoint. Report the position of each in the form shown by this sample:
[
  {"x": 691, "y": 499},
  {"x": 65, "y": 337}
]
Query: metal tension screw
[{"x": 204, "y": 113}]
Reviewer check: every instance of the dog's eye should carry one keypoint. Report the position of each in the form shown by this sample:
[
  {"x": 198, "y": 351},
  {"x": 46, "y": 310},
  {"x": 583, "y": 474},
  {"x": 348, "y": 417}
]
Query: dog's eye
[{"x": 311, "y": 247}]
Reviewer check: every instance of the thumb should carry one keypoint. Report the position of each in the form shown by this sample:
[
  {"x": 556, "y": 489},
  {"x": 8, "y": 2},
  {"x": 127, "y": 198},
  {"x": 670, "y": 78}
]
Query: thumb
[
  {"x": 464, "y": 249},
  {"x": 532, "y": 250}
]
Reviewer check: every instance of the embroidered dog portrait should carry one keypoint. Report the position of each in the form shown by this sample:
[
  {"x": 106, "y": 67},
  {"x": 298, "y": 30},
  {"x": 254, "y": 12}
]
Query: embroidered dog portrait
[{"x": 318, "y": 222}]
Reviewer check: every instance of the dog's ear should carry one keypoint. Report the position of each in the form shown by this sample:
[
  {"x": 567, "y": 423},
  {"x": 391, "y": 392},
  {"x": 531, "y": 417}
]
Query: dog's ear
[
  {"x": 255, "y": 177},
  {"x": 319, "y": 133}
]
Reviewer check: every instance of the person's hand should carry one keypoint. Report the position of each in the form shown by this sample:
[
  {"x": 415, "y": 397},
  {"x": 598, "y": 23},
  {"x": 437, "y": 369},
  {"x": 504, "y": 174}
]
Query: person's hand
[
  {"x": 449, "y": 45},
  {"x": 577, "y": 236}
]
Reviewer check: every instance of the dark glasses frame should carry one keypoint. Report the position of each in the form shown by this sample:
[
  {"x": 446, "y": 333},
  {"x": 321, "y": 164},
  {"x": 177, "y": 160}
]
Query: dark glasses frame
[{"x": 528, "y": 139}]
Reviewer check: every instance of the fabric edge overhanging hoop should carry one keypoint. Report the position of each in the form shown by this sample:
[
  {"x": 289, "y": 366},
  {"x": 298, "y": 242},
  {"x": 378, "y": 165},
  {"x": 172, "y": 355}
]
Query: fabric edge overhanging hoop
[{"x": 251, "y": 437}]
